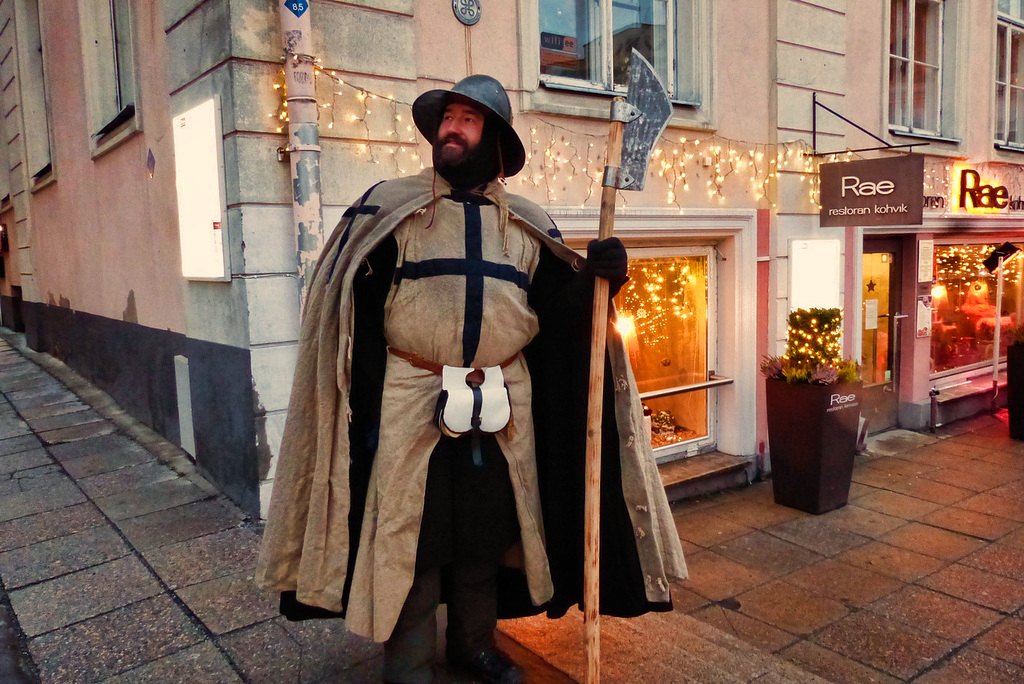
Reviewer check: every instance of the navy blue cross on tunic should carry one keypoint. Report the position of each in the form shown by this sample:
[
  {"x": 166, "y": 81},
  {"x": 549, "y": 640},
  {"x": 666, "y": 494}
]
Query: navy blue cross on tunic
[{"x": 475, "y": 268}]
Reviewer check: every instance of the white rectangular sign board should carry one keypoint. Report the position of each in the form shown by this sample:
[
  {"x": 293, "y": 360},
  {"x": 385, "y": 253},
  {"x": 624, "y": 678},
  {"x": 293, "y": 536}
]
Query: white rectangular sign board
[
  {"x": 815, "y": 267},
  {"x": 199, "y": 175}
]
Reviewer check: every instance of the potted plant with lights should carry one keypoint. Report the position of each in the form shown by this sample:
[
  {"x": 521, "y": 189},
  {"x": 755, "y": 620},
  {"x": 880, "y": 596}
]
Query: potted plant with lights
[
  {"x": 813, "y": 414},
  {"x": 1015, "y": 381}
]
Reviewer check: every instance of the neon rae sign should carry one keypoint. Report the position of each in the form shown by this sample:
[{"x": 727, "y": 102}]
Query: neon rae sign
[{"x": 977, "y": 195}]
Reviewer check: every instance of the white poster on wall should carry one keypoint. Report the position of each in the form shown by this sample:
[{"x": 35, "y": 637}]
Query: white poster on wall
[
  {"x": 199, "y": 178},
  {"x": 815, "y": 271},
  {"x": 925, "y": 261}
]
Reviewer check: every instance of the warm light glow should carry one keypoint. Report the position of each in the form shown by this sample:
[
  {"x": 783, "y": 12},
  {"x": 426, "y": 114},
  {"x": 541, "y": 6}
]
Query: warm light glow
[{"x": 626, "y": 326}]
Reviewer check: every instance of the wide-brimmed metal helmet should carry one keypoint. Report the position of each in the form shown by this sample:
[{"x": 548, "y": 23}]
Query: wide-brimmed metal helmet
[{"x": 485, "y": 92}]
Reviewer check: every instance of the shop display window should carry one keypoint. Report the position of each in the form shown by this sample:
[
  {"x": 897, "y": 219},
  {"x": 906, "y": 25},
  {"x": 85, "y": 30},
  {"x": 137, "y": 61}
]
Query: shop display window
[
  {"x": 663, "y": 318},
  {"x": 964, "y": 309}
]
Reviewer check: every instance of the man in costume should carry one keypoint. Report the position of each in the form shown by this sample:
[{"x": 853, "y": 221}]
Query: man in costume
[{"x": 434, "y": 448}]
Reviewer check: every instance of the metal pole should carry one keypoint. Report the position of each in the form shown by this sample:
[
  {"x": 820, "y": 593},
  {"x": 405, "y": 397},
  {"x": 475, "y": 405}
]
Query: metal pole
[
  {"x": 997, "y": 334},
  {"x": 303, "y": 135}
]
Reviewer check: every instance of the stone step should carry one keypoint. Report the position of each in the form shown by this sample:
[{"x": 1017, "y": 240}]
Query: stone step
[
  {"x": 653, "y": 648},
  {"x": 705, "y": 473}
]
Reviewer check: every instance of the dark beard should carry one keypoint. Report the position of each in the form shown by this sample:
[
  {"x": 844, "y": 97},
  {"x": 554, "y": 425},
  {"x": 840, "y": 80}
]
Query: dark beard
[{"x": 467, "y": 167}]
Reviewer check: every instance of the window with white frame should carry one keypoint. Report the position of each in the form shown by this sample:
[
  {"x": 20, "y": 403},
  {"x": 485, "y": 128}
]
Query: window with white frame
[
  {"x": 915, "y": 66},
  {"x": 109, "y": 62},
  {"x": 32, "y": 88},
  {"x": 586, "y": 44},
  {"x": 1009, "y": 104}
]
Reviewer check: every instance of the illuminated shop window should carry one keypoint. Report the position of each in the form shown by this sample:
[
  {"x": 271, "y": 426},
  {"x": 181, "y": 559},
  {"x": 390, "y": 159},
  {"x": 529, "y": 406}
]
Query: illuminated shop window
[
  {"x": 663, "y": 318},
  {"x": 587, "y": 43},
  {"x": 964, "y": 311}
]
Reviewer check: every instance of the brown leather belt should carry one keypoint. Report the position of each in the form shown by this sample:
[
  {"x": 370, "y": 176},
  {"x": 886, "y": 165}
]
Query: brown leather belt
[{"x": 433, "y": 367}]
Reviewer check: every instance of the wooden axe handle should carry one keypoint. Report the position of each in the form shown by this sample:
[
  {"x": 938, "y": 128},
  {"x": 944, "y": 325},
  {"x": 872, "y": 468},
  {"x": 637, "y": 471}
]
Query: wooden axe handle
[{"x": 595, "y": 410}]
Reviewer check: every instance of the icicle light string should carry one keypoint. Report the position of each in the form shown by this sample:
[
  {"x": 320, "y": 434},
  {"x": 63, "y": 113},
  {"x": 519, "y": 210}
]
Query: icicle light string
[{"x": 558, "y": 156}]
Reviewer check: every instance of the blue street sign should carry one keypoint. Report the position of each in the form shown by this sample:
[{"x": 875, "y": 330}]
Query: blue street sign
[{"x": 297, "y": 7}]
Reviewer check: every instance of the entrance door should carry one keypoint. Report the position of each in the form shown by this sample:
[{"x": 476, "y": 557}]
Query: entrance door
[{"x": 881, "y": 320}]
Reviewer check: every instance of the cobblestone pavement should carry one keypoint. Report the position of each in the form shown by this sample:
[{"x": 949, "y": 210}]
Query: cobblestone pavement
[{"x": 120, "y": 563}]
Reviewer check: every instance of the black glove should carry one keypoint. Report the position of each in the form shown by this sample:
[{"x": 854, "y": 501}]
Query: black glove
[{"x": 607, "y": 259}]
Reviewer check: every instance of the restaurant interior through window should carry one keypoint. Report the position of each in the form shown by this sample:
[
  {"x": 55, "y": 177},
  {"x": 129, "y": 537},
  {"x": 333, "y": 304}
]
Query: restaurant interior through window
[
  {"x": 965, "y": 312},
  {"x": 663, "y": 317}
]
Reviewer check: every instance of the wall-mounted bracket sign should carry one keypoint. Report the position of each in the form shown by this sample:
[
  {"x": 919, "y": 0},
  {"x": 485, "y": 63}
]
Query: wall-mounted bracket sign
[
  {"x": 466, "y": 11},
  {"x": 873, "y": 192}
]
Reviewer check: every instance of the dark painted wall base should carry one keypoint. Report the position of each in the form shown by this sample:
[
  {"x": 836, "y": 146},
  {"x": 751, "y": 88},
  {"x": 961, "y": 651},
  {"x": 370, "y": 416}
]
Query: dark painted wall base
[
  {"x": 134, "y": 364},
  {"x": 10, "y": 312}
]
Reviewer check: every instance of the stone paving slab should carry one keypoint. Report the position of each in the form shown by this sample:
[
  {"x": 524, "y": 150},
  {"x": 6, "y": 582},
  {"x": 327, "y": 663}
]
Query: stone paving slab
[
  {"x": 270, "y": 652},
  {"x": 790, "y": 608},
  {"x": 180, "y": 523},
  {"x": 199, "y": 664},
  {"x": 124, "y": 479},
  {"x": 941, "y": 615},
  {"x": 41, "y": 478},
  {"x": 53, "y": 392},
  {"x": 972, "y": 666},
  {"x": 31, "y": 502},
  {"x": 205, "y": 558},
  {"x": 150, "y": 498},
  {"x": 60, "y": 556},
  {"x": 105, "y": 461},
  {"x": 822, "y": 536},
  {"x": 832, "y": 666},
  {"x": 35, "y": 413},
  {"x": 15, "y": 445},
  {"x": 65, "y": 420},
  {"x": 76, "y": 432},
  {"x": 898, "y": 649},
  {"x": 11, "y": 425},
  {"x": 23, "y": 460},
  {"x": 850, "y": 585},
  {"x": 114, "y": 642},
  {"x": 81, "y": 595},
  {"x": 32, "y": 529},
  {"x": 230, "y": 602}
]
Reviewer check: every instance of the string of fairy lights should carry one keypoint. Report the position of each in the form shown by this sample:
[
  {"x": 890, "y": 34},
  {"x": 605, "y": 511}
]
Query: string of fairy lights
[
  {"x": 565, "y": 163},
  {"x": 660, "y": 294},
  {"x": 814, "y": 336}
]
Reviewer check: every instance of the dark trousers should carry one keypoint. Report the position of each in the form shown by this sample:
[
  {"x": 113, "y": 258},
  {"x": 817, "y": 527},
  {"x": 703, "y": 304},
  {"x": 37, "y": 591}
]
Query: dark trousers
[
  {"x": 472, "y": 617},
  {"x": 469, "y": 521}
]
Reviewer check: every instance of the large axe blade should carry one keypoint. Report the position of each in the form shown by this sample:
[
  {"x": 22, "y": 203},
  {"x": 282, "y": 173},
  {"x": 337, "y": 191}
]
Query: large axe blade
[
  {"x": 649, "y": 98},
  {"x": 636, "y": 123}
]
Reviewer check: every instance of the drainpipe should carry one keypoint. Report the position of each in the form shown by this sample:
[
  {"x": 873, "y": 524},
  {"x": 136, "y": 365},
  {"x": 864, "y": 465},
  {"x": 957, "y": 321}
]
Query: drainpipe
[{"x": 303, "y": 135}]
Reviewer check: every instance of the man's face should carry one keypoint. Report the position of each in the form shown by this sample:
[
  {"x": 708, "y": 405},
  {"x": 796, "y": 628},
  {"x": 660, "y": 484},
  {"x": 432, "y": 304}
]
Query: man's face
[{"x": 461, "y": 128}]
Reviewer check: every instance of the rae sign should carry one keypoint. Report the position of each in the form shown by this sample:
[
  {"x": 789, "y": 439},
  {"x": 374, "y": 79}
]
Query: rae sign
[{"x": 873, "y": 192}]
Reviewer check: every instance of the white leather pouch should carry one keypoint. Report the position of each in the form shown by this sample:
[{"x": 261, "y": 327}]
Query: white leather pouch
[{"x": 472, "y": 399}]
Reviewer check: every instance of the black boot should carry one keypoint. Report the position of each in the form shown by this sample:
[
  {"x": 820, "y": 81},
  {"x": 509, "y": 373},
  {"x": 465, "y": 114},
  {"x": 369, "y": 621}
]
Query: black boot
[{"x": 492, "y": 667}]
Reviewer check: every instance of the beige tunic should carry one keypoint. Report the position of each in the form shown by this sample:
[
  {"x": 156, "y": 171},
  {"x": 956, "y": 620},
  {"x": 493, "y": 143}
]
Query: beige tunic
[{"x": 478, "y": 306}]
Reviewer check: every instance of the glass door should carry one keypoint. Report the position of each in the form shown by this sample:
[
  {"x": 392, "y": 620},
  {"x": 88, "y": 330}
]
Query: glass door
[{"x": 881, "y": 320}]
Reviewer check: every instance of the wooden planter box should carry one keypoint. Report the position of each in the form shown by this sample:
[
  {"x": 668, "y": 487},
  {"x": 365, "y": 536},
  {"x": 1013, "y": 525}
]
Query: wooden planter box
[
  {"x": 1015, "y": 389},
  {"x": 812, "y": 434}
]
